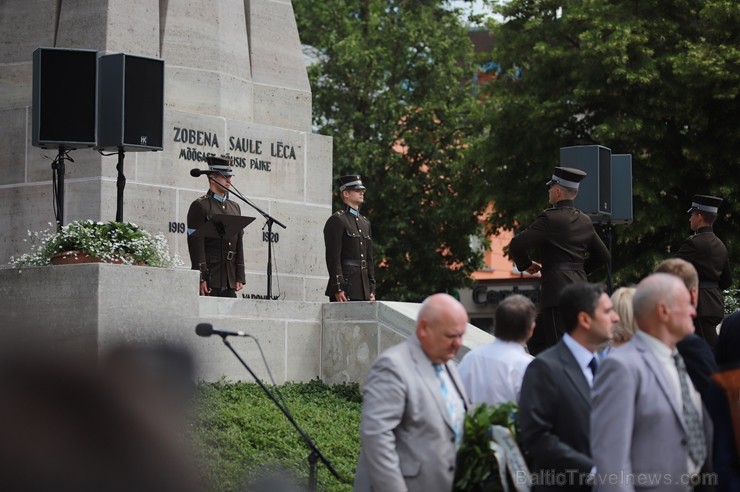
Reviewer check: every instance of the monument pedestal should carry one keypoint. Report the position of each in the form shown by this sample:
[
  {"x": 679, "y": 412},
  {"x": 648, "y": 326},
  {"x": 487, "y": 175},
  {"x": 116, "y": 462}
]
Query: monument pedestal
[
  {"x": 91, "y": 308},
  {"x": 88, "y": 309}
]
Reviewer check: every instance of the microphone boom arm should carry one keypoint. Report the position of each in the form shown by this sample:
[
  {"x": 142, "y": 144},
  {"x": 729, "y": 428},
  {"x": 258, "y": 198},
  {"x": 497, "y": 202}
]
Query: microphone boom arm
[
  {"x": 315, "y": 454},
  {"x": 270, "y": 220}
]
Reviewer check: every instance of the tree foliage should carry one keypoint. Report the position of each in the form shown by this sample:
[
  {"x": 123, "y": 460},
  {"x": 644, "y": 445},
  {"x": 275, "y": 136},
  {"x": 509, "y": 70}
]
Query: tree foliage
[
  {"x": 392, "y": 87},
  {"x": 655, "y": 79}
]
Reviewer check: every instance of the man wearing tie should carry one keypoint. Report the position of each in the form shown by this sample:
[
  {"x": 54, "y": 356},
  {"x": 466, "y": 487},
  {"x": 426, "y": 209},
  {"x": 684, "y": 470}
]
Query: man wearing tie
[
  {"x": 648, "y": 426},
  {"x": 555, "y": 402},
  {"x": 414, "y": 406}
]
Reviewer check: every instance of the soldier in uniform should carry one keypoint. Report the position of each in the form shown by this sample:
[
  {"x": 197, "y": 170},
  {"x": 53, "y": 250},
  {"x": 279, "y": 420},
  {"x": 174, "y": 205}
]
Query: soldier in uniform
[
  {"x": 349, "y": 247},
  {"x": 709, "y": 255},
  {"x": 221, "y": 263},
  {"x": 569, "y": 247}
]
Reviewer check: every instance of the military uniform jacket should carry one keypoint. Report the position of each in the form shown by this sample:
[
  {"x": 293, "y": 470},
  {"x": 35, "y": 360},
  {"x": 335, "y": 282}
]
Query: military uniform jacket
[
  {"x": 709, "y": 256},
  {"x": 205, "y": 252},
  {"x": 349, "y": 255},
  {"x": 569, "y": 247}
]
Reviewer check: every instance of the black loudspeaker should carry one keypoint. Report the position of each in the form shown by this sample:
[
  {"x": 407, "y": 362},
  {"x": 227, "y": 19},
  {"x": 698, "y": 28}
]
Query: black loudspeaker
[
  {"x": 64, "y": 98},
  {"x": 595, "y": 191},
  {"x": 131, "y": 102},
  {"x": 621, "y": 191}
]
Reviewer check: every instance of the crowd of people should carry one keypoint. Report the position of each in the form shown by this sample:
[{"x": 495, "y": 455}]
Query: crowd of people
[
  {"x": 633, "y": 391},
  {"x": 630, "y": 391}
]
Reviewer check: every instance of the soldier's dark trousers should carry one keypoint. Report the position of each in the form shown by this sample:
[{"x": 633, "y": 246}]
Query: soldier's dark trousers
[
  {"x": 222, "y": 292},
  {"x": 547, "y": 332},
  {"x": 706, "y": 327}
]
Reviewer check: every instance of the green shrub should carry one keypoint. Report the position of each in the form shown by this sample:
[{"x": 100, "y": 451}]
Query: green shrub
[
  {"x": 477, "y": 469},
  {"x": 239, "y": 433},
  {"x": 732, "y": 300}
]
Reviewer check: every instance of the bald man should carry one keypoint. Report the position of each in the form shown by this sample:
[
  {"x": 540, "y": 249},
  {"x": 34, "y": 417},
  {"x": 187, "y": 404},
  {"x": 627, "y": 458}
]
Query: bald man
[
  {"x": 697, "y": 353},
  {"x": 414, "y": 405},
  {"x": 648, "y": 424}
]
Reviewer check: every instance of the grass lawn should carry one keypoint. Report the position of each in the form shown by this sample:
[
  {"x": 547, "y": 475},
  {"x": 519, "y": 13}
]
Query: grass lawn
[{"x": 239, "y": 433}]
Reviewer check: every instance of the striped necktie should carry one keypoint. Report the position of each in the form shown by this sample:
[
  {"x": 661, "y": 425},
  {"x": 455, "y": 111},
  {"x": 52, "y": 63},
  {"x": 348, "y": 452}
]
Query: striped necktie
[{"x": 696, "y": 438}]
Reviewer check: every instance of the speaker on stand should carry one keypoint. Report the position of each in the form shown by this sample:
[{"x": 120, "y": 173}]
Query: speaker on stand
[
  {"x": 621, "y": 199},
  {"x": 131, "y": 105},
  {"x": 64, "y": 108}
]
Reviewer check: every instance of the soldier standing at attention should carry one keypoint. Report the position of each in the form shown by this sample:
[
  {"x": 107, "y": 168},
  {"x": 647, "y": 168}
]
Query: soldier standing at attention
[
  {"x": 221, "y": 265},
  {"x": 349, "y": 247},
  {"x": 569, "y": 247},
  {"x": 709, "y": 256}
]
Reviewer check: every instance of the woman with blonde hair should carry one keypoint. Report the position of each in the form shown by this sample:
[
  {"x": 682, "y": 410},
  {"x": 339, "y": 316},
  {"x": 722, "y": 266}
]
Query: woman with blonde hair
[{"x": 625, "y": 329}]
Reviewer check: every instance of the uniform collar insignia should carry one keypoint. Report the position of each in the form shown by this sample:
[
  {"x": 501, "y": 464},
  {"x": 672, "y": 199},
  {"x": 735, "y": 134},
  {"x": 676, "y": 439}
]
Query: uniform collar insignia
[
  {"x": 353, "y": 211},
  {"x": 219, "y": 198}
]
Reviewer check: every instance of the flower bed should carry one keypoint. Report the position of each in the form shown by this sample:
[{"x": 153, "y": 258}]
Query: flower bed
[{"x": 112, "y": 242}]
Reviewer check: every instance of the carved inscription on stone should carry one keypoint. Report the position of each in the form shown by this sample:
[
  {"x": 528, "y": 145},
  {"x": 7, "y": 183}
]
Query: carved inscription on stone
[{"x": 247, "y": 153}]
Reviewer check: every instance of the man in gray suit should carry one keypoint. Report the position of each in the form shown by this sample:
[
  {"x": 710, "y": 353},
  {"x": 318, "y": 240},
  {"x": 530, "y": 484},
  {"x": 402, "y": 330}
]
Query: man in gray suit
[
  {"x": 648, "y": 428},
  {"x": 414, "y": 406},
  {"x": 555, "y": 402}
]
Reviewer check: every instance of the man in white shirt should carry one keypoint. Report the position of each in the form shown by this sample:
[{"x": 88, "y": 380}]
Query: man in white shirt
[
  {"x": 493, "y": 373},
  {"x": 648, "y": 425}
]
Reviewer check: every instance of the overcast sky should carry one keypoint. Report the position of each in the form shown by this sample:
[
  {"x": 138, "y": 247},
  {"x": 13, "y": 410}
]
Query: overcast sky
[{"x": 478, "y": 6}]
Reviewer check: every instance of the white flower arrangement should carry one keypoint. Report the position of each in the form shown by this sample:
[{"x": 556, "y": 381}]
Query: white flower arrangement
[{"x": 113, "y": 242}]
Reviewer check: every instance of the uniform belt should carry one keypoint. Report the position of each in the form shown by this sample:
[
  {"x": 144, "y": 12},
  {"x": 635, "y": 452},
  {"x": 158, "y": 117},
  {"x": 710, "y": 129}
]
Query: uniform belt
[
  {"x": 216, "y": 256},
  {"x": 355, "y": 263},
  {"x": 708, "y": 284},
  {"x": 563, "y": 266}
]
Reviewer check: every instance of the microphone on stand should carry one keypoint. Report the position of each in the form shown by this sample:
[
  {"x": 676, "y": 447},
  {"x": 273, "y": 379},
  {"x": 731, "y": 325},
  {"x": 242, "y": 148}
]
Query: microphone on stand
[
  {"x": 207, "y": 329},
  {"x": 197, "y": 172}
]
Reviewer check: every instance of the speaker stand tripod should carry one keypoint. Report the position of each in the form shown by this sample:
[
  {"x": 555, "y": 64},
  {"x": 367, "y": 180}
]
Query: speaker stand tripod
[
  {"x": 57, "y": 179},
  {"x": 607, "y": 233},
  {"x": 120, "y": 185}
]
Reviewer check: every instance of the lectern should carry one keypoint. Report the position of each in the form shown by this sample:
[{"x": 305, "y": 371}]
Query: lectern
[{"x": 222, "y": 226}]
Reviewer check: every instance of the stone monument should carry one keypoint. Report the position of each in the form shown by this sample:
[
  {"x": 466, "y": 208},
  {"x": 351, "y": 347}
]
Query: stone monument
[{"x": 235, "y": 84}]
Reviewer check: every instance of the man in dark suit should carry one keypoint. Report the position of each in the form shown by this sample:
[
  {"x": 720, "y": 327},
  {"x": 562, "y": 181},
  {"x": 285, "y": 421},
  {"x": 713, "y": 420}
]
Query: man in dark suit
[
  {"x": 569, "y": 247},
  {"x": 349, "y": 247},
  {"x": 555, "y": 403},
  {"x": 221, "y": 263},
  {"x": 648, "y": 427},
  {"x": 709, "y": 256},
  {"x": 414, "y": 406}
]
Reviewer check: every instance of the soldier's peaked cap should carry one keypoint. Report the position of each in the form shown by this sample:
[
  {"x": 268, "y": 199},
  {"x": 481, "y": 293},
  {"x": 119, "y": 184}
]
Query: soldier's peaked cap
[
  {"x": 567, "y": 176},
  {"x": 705, "y": 203},
  {"x": 221, "y": 165},
  {"x": 350, "y": 182}
]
